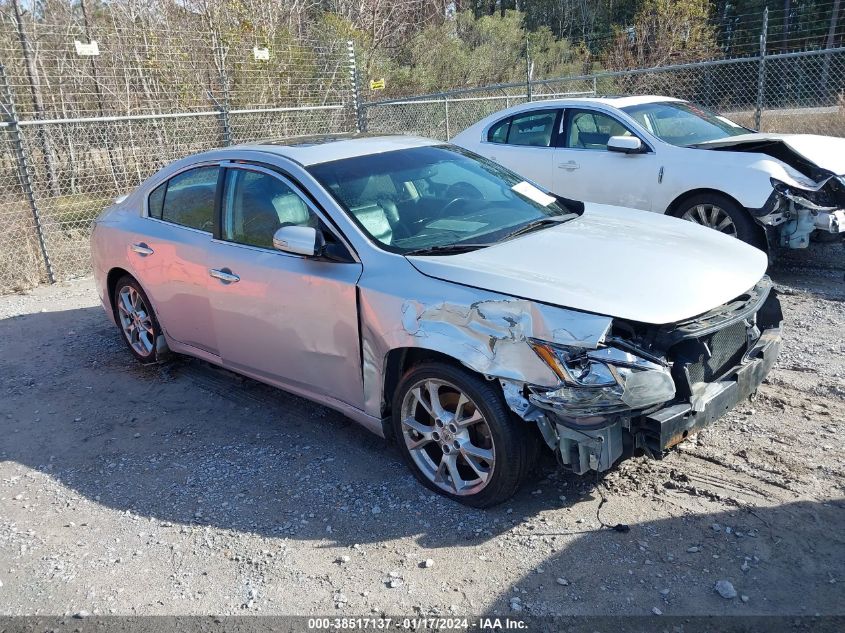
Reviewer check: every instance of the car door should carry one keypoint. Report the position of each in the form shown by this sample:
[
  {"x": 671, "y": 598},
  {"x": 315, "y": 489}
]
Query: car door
[
  {"x": 282, "y": 318},
  {"x": 524, "y": 143},
  {"x": 169, "y": 256},
  {"x": 586, "y": 170}
]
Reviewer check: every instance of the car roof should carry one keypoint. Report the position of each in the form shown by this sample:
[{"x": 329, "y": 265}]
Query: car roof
[
  {"x": 311, "y": 150},
  {"x": 621, "y": 101}
]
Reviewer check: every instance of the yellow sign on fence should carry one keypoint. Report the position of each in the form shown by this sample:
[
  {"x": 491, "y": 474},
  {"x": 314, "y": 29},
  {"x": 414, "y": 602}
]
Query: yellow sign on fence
[{"x": 377, "y": 84}]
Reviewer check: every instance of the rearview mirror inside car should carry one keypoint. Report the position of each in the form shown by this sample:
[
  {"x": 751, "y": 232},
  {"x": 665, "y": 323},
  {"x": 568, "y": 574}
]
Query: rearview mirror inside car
[{"x": 625, "y": 144}]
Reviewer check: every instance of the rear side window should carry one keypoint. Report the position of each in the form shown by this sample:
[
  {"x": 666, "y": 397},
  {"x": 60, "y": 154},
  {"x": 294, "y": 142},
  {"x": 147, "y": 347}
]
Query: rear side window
[
  {"x": 156, "y": 201},
  {"x": 189, "y": 198},
  {"x": 534, "y": 129},
  {"x": 499, "y": 132}
]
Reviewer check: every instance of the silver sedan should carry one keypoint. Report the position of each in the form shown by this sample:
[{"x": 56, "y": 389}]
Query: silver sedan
[{"x": 441, "y": 300}]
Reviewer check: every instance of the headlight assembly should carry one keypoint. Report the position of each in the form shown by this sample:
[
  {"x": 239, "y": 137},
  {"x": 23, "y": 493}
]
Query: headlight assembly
[
  {"x": 603, "y": 381},
  {"x": 805, "y": 198}
]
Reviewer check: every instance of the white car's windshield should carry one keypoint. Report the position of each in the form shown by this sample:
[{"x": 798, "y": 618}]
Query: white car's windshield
[
  {"x": 684, "y": 124},
  {"x": 438, "y": 199}
]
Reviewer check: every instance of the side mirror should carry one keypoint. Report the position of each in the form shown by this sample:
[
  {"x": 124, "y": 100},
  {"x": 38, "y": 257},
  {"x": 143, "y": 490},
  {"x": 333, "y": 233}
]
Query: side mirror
[
  {"x": 625, "y": 144},
  {"x": 299, "y": 240}
]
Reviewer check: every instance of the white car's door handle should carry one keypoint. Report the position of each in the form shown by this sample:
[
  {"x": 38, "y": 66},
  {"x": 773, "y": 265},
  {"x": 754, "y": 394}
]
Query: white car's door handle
[
  {"x": 570, "y": 166},
  {"x": 225, "y": 275},
  {"x": 142, "y": 249}
]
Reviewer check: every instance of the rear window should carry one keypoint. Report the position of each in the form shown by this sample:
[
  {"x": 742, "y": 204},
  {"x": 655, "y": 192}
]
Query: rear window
[
  {"x": 156, "y": 201},
  {"x": 189, "y": 198}
]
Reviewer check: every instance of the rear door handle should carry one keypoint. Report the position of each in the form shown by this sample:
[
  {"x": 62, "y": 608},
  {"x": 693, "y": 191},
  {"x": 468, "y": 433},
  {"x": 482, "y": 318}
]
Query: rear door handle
[
  {"x": 570, "y": 166},
  {"x": 225, "y": 275},
  {"x": 142, "y": 249}
]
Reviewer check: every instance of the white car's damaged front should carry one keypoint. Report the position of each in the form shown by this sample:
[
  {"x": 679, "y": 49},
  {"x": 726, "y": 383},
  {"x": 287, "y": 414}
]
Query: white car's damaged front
[{"x": 807, "y": 178}]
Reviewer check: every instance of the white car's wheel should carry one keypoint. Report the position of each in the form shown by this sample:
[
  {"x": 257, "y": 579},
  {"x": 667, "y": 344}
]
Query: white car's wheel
[{"x": 720, "y": 213}]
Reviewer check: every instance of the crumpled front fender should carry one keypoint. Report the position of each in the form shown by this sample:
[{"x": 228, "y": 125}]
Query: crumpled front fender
[{"x": 484, "y": 331}]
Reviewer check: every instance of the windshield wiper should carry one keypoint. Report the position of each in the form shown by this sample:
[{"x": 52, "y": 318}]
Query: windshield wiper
[
  {"x": 446, "y": 249},
  {"x": 537, "y": 224}
]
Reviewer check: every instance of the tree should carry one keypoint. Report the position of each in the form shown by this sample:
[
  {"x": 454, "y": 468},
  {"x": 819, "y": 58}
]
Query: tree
[{"x": 665, "y": 32}]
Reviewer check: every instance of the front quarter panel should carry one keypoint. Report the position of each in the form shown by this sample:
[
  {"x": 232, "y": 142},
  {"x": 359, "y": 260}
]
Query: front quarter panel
[
  {"x": 487, "y": 332},
  {"x": 742, "y": 176}
]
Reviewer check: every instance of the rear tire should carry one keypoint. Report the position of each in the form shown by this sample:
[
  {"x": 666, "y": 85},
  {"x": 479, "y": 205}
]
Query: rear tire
[
  {"x": 458, "y": 436},
  {"x": 136, "y": 319},
  {"x": 718, "y": 212}
]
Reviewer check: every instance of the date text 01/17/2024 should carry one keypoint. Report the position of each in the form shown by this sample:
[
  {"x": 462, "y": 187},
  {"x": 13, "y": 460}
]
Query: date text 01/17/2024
[{"x": 416, "y": 623}]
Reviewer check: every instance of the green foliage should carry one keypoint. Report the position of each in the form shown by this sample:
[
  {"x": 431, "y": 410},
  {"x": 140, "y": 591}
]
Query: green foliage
[{"x": 473, "y": 51}]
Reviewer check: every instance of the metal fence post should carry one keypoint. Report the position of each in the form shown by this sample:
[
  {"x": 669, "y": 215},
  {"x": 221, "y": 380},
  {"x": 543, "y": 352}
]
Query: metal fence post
[
  {"x": 8, "y": 105},
  {"x": 761, "y": 76},
  {"x": 222, "y": 107},
  {"x": 357, "y": 106},
  {"x": 527, "y": 67},
  {"x": 446, "y": 107}
]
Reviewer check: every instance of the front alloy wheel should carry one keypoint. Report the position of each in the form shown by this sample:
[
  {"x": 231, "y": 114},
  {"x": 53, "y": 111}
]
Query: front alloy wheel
[
  {"x": 720, "y": 213},
  {"x": 458, "y": 436},
  {"x": 448, "y": 437},
  {"x": 713, "y": 217}
]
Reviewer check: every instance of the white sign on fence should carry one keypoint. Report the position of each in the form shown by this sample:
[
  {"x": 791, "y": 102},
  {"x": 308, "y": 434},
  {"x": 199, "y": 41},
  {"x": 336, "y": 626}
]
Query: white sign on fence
[
  {"x": 87, "y": 50},
  {"x": 261, "y": 54}
]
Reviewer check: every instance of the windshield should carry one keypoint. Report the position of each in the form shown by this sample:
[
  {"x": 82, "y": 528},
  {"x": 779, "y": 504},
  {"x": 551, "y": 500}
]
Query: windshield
[
  {"x": 684, "y": 124},
  {"x": 437, "y": 197}
]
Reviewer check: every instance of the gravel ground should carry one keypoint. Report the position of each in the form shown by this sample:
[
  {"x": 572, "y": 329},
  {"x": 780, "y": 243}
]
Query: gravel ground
[{"x": 184, "y": 489}]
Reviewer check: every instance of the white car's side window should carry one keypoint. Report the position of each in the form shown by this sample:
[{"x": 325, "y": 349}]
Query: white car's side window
[
  {"x": 591, "y": 129},
  {"x": 529, "y": 129}
]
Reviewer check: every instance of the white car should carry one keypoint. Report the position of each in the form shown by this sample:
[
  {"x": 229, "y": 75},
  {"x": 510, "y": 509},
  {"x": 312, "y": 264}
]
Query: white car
[{"x": 671, "y": 156}]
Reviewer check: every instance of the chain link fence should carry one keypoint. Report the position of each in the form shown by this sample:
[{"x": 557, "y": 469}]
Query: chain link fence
[
  {"x": 87, "y": 116},
  {"x": 786, "y": 92}
]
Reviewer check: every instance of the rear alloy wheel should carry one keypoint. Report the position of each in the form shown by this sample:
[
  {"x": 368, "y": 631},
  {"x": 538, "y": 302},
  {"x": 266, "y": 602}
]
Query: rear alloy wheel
[
  {"x": 457, "y": 435},
  {"x": 136, "y": 320},
  {"x": 720, "y": 213}
]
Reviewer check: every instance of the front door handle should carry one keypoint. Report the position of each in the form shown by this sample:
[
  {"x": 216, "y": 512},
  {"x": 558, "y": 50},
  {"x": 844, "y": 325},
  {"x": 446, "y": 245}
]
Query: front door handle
[
  {"x": 225, "y": 275},
  {"x": 142, "y": 249},
  {"x": 570, "y": 166}
]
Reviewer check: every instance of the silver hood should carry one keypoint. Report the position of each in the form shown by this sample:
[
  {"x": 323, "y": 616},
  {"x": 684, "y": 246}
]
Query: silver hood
[
  {"x": 827, "y": 152},
  {"x": 612, "y": 261}
]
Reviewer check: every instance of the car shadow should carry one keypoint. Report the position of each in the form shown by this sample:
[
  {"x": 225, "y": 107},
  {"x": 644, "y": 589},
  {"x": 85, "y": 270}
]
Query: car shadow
[
  {"x": 184, "y": 442},
  {"x": 781, "y": 559}
]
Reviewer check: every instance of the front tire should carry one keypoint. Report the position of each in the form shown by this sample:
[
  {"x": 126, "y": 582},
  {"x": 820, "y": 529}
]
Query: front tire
[
  {"x": 718, "y": 212},
  {"x": 136, "y": 319},
  {"x": 458, "y": 436}
]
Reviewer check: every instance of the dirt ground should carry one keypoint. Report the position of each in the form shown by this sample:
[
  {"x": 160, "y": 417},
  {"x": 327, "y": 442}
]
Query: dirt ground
[{"x": 183, "y": 489}]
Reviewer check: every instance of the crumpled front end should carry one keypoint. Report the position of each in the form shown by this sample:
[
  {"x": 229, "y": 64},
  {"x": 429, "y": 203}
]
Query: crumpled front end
[
  {"x": 795, "y": 210},
  {"x": 649, "y": 387}
]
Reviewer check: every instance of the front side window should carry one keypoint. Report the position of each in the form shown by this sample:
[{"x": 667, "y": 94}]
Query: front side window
[
  {"x": 683, "y": 124},
  {"x": 434, "y": 197},
  {"x": 188, "y": 198},
  {"x": 590, "y": 129},
  {"x": 256, "y": 205}
]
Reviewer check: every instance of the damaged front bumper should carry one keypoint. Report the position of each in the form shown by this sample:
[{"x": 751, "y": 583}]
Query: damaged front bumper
[
  {"x": 791, "y": 214},
  {"x": 714, "y": 362}
]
